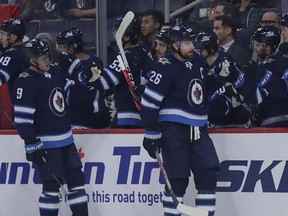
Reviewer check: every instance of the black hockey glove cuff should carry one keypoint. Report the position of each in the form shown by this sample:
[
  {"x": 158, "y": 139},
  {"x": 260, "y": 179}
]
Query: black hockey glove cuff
[
  {"x": 143, "y": 59},
  {"x": 152, "y": 142},
  {"x": 68, "y": 63},
  {"x": 36, "y": 152}
]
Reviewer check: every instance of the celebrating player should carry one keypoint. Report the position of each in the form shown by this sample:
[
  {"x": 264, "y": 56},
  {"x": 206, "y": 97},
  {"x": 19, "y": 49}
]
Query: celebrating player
[
  {"x": 113, "y": 78},
  {"x": 42, "y": 121},
  {"x": 270, "y": 78},
  {"x": 12, "y": 61},
  {"x": 224, "y": 109},
  {"x": 174, "y": 110},
  {"x": 162, "y": 43},
  {"x": 86, "y": 104}
]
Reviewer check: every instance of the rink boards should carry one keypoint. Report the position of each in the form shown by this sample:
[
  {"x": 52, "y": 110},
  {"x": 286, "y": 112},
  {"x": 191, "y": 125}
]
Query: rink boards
[{"x": 120, "y": 176}]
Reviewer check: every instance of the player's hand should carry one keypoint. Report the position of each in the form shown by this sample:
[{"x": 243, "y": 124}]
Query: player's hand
[
  {"x": 36, "y": 152},
  {"x": 89, "y": 74},
  {"x": 68, "y": 62},
  {"x": 227, "y": 71},
  {"x": 143, "y": 60},
  {"x": 152, "y": 142}
]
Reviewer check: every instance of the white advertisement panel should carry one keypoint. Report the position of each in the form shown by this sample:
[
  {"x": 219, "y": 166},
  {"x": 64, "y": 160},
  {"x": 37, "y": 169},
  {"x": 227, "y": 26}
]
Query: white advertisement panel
[{"x": 120, "y": 176}]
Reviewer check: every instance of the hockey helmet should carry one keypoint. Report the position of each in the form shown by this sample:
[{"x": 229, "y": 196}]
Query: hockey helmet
[
  {"x": 71, "y": 36},
  {"x": 133, "y": 30},
  {"x": 269, "y": 35},
  {"x": 35, "y": 48},
  {"x": 14, "y": 26},
  {"x": 163, "y": 36},
  {"x": 182, "y": 32},
  {"x": 284, "y": 20},
  {"x": 207, "y": 41}
]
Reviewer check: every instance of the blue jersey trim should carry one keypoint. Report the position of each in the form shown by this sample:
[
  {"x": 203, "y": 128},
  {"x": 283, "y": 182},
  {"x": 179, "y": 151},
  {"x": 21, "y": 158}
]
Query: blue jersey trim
[
  {"x": 59, "y": 143},
  {"x": 182, "y": 120},
  {"x": 126, "y": 121}
]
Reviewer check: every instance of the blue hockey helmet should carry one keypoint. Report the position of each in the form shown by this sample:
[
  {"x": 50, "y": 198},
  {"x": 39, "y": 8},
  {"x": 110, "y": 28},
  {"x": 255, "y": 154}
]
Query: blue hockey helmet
[
  {"x": 164, "y": 36},
  {"x": 207, "y": 41},
  {"x": 284, "y": 20},
  {"x": 133, "y": 30},
  {"x": 269, "y": 35},
  {"x": 14, "y": 26},
  {"x": 182, "y": 32},
  {"x": 71, "y": 36},
  {"x": 35, "y": 48}
]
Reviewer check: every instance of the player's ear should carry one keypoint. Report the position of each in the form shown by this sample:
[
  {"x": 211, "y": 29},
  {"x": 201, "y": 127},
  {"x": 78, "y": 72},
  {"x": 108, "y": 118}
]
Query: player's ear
[
  {"x": 126, "y": 38},
  {"x": 32, "y": 61},
  {"x": 13, "y": 38},
  {"x": 175, "y": 46}
]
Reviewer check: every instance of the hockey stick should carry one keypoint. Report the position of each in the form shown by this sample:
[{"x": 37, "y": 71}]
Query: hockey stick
[
  {"x": 188, "y": 210},
  {"x": 127, "y": 19},
  {"x": 61, "y": 186},
  {"x": 243, "y": 103},
  {"x": 6, "y": 115},
  {"x": 130, "y": 82}
]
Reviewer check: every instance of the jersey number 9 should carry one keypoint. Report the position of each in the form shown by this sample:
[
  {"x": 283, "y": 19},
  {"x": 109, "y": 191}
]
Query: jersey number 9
[{"x": 19, "y": 93}]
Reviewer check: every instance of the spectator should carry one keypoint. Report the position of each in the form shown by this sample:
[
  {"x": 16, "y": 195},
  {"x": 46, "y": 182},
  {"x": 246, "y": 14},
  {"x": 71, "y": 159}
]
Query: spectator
[
  {"x": 270, "y": 18},
  {"x": 248, "y": 17},
  {"x": 61, "y": 9},
  {"x": 223, "y": 9},
  {"x": 199, "y": 17},
  {"x": 225, "y": 29},
  {"x": 40, "y": 10},
  {"x": 86, "y": 103},
  {"x": 225, "y": 111},
  {"x": 151, "y": 23},
  {"x": 80, "y": 9},
  {"x": 284, "y": 33}
]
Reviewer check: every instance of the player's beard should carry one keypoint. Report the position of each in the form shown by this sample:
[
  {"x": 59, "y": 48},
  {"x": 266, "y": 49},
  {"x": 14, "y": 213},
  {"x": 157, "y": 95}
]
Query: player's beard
[{"x": 187, "y": 55}]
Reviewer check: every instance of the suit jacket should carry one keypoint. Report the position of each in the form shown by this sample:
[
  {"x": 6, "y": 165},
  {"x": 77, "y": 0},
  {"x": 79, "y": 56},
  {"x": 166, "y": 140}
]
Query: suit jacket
[{"x": 241, "y": 55}]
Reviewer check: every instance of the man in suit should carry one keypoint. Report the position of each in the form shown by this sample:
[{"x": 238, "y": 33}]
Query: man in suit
[{"x": 225, "y": 28}]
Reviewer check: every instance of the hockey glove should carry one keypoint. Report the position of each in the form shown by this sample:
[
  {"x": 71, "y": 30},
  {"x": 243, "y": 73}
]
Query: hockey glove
[
  {"x": 152, "y": 142},
  {"x": 36, "y": 152},
  {"x": 68, "y": 62},
  {"x": 143, "y": 60},
  {"x": 89, "y": 74},
  {"x": 227, "y": 71}
]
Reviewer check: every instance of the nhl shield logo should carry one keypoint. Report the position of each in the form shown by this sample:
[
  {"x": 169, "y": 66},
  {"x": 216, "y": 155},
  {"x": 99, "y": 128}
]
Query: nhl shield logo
[
  {"x": 57, "y": 102},
  {"x": 195, "y": 93}
]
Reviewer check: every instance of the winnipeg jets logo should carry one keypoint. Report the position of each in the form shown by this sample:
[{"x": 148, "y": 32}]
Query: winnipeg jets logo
[
  {"x": 164, "y": 61},
  {"x": 81, "y": 4},
  {"x": 47, "y": 75},
  {"x": 188, "y": 64},
  {"x": 268, "y": 60},
  {"x": 49, "y": 6},
  {"x": 24, "y": 75},
  {"x": 195, "y": 93},
  {"x": 56, "y": 102}
]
